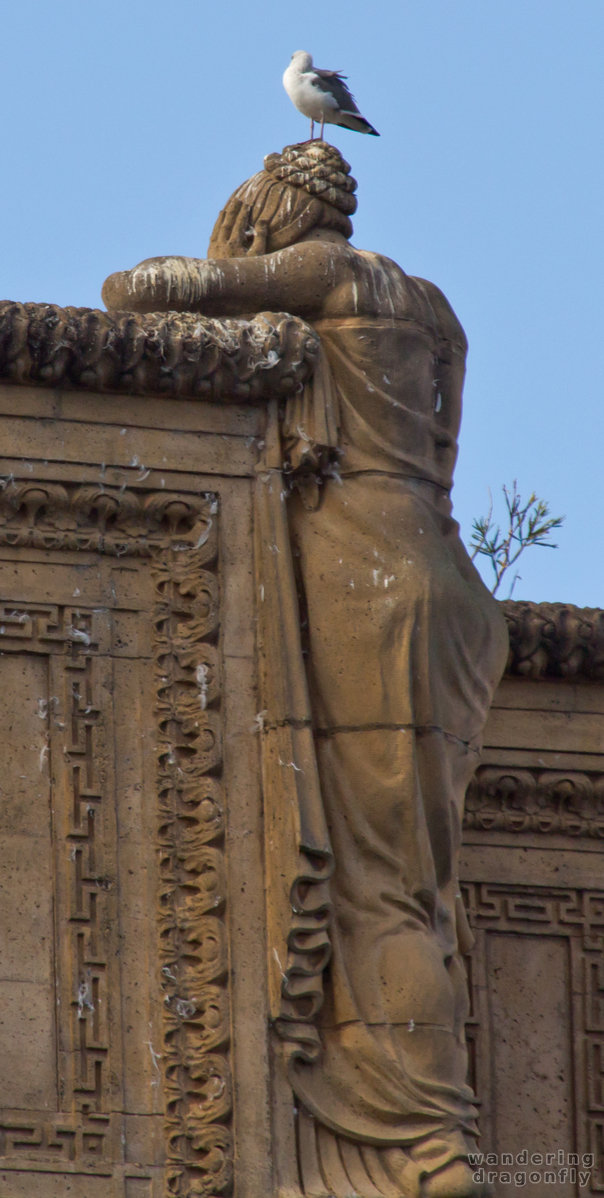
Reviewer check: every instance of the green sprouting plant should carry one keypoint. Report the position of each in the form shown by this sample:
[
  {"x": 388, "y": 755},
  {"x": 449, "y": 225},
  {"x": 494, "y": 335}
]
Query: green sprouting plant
[{"x": 528, "y": 523}]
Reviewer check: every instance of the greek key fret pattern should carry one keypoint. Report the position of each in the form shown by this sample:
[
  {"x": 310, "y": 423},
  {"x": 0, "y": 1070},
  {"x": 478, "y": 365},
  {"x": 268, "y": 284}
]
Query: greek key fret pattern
[
  {"x": 47, "y": 628},
  {"x": 179, "y": 534},
  {"x": 71, "y": 638},
  {"x": 596, "y": 1146},
  {"x": 577, "y": 914},
  {"x": 64, "y": 1138},
  {"x": 556, "y": 912},
  {"x": 84, "y": 755}
]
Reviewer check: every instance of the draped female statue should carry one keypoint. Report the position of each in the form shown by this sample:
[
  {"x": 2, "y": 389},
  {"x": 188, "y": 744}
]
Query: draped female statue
[{"x": 381, "y": 651}]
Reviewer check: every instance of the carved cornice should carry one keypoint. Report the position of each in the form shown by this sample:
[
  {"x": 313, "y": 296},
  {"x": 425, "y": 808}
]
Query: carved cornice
[
  {"x": 187, "y": 355},
  {"x": 500, "y": 798},
  {"x": 176, "y": 353},
  {"x": 555, "y": 640}
]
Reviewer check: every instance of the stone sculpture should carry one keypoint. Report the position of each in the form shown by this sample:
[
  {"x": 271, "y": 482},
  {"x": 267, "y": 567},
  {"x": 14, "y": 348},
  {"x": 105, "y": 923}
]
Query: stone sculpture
[{"x": 380, "y": 650}]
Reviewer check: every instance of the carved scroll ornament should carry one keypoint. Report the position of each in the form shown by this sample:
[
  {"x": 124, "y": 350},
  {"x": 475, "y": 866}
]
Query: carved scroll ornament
[
  {"x": 566, "y": 802},
  {"x": 95, "y": 517},
  {"x": 193, "y": 943}
]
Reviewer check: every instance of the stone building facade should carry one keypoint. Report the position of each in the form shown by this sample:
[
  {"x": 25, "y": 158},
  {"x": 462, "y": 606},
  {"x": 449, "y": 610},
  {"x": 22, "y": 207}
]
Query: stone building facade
[{"x": 135, "y": 1049}]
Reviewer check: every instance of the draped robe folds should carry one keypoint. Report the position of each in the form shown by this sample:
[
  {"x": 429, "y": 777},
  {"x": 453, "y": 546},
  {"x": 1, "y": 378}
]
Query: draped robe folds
[{"x": 381, "y": 649}]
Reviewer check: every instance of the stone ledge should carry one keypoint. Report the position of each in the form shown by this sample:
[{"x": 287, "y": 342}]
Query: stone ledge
[
  {"x": 555, "y": 640},
  {"x": 169, "y": 354},
  {"x": 185, "y": 355}
]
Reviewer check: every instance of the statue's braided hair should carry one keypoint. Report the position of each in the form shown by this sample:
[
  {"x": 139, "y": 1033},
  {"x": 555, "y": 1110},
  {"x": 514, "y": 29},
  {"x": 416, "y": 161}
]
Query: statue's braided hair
[{"x": 307, "y": 186}]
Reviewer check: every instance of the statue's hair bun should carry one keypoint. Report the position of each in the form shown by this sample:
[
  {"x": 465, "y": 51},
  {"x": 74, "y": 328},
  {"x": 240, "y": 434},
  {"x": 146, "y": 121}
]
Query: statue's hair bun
[{"x": 318, "y": 169}]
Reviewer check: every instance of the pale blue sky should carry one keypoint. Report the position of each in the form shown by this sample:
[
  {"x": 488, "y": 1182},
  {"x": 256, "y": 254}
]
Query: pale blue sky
[{"x": 128, "y": 123}]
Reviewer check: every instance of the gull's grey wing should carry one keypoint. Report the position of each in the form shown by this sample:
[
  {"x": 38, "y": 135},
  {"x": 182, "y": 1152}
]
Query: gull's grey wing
[
  {"x": 329, "y": 74},
  {"x": 333, "y": 82}
]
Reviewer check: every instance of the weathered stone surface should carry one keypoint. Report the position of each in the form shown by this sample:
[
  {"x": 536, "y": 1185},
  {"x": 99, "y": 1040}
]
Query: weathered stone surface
[
  {"x": 89, "y": 579},
  {"x": 533, "y": 819},
  {"x": 143, "y": 543},
  {"x": 531, "y": 873},
  {"x": 368, "y": 744}
]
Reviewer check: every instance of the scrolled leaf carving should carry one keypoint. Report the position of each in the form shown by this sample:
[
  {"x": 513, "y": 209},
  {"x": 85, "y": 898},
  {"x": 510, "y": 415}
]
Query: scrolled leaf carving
[
  {"x": 570, "y": 803},
  {"x": 214, "y": 1175},
  {"x": 192, "y": 932}
]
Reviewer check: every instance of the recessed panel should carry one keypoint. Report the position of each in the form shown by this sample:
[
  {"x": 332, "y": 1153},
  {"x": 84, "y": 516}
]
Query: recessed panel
[
  {"x": 529, "y": 1006},
  {"x": 27, "y": 1008}
]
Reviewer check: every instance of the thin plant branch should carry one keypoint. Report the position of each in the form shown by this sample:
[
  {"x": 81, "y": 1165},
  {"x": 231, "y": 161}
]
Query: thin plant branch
[{"x": 527, "y": 523}]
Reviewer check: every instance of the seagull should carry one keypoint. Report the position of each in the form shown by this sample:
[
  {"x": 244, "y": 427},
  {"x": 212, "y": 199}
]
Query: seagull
[{"x": 322, "y": 96}]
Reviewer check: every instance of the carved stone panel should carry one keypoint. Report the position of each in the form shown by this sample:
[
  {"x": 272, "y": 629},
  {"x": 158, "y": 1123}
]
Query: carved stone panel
[
  {"x": 532, "y": 864},
  {"x": 537, "y": 1032},
  {"x": 114, "y": 1032},
  {"x": 136, "y": 1056}
]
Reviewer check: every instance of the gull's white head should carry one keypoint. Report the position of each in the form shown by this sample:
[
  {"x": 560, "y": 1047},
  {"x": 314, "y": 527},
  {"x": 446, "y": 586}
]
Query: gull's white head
[{"x": 302, "y": 59}]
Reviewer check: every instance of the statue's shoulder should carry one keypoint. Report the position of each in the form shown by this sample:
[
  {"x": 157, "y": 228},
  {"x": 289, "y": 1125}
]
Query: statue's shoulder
[
  {"x": 384, "y": 283},
  {"x": 449, "y": 325}
]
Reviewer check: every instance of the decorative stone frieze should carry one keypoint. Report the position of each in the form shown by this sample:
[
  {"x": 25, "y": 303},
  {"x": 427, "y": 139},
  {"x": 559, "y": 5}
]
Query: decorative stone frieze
[
  {"x": 555, "y": 640},
  {"x": 174, "y": 353}
]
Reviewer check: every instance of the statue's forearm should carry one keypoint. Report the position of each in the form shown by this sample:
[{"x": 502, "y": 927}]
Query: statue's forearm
[
  {"x": 292, "y": 280},
  {"x": 160, "y": 284}
]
